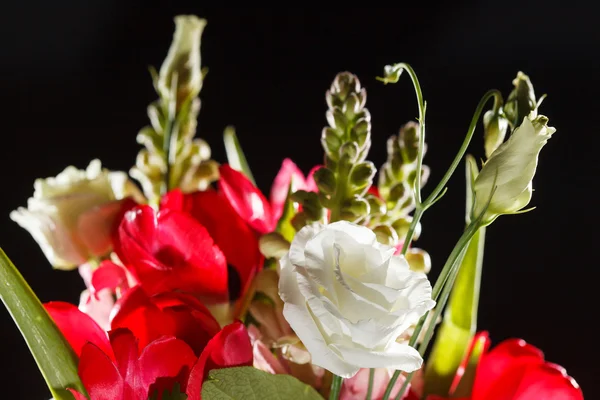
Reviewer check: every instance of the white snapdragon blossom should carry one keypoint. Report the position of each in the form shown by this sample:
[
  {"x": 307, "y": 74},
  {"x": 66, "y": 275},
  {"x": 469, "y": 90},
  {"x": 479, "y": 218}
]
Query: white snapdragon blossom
[
  {"x": 348, "y": 298},
  {"x": 511, "y": 168},
  {"x": 70, "y": 216}
]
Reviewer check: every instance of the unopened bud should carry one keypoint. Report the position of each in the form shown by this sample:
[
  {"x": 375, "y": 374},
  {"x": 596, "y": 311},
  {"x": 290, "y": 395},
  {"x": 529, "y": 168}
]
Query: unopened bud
[
  {"x": 325, "y": 180},
  {"x": 418, "y": 260},
  {"x": 183, "y": 59},
  {"x": 386, "y": 235},
  {"x": 362, "y": 174},
  {"x": 495, "y": 126},
  {"x": 521, "y": 101}
]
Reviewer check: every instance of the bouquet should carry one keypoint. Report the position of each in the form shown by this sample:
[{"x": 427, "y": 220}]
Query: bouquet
[{"x": 199, "y": 285}]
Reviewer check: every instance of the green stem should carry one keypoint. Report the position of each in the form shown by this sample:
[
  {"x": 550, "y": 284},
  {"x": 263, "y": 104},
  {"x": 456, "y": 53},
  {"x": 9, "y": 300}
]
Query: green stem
[
  {"x": 336, "y": 387},
  {"x": 171, "y": 111},
  {"x": 370, "y": 386}
]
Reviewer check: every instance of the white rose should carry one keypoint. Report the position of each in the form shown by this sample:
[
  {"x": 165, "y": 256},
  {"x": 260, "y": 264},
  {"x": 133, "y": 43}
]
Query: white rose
[
  {"x": 511, "y": 167},
  {"x": 70, "y": 215},
  {"x": 348, "y": 298}
]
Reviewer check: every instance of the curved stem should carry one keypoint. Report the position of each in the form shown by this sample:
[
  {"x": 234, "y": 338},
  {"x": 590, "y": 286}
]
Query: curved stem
[
  {"x": 336, "y": 387},
  {"x": 463, "y": 148}
]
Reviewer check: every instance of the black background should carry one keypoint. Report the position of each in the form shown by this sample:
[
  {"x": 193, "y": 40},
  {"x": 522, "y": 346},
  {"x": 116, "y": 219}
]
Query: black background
[{"x": 75, "y": 86}]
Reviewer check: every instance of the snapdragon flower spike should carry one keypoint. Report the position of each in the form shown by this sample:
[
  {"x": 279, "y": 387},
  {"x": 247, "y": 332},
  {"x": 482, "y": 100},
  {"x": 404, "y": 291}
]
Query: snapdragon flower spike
[
  {"x": 170, "y": 250},
  {"x": 234, "y": 237},
  {"x": 165, "y": 314},
  {"x": 516, "y": 370}
]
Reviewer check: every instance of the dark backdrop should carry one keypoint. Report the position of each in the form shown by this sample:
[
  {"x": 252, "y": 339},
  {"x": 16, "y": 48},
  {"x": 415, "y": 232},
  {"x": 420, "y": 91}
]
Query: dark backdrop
[{"x": 75, "y": 86}]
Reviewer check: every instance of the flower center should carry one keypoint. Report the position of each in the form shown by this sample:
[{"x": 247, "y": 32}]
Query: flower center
[{"x": 170, "y": 256}]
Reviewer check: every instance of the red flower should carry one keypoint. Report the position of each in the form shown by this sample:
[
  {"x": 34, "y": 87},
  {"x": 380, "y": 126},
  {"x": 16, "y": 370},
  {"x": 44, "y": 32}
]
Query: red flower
[
  {"x": 516, "y": 370},
  {"x": 170, "y": 250},
  {"x": 233, "y": 236},
  {"x": 165, "y": 314},
  {"x": 289, "y": 173},
  {"x": 117, "y": 367},
  {"x": 251, "y": 204}
]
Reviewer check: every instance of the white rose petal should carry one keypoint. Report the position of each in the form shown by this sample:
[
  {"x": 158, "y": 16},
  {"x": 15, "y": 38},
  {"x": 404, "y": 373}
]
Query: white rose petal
[
  {"x": 348, "y": 298},
  {"x": 59, "y": 214}
]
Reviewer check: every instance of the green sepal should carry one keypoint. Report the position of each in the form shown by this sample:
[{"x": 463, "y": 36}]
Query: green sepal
[
  {"x": 54, "y": 356},
  {"x": 235, "y": 155}
]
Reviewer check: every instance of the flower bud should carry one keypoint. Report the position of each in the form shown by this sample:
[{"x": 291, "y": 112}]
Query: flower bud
[
  {"x": 409, "y": 142},
  {"x": 325, "y": 180},
  {"x": 511, "y": 169},
  {"x": 419, "y": 260},
  {"x": 386, "y": 235},
  {"x": 183, "y": 59},
  {"x": 362, "y": 174},
  {"x": 495, "y": 126},
  {"x": 521, "y": 101}
]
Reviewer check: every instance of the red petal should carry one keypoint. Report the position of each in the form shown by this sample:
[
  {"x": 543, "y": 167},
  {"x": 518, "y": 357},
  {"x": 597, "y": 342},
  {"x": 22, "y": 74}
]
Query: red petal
[
  {"x": 231, "y": 347},
  {"x": 78, "y": 328},
  {"x": 125, "y": 347},
  {"x": 481, "y": 338},
  {"x": 165, "y": 358},
  {"x": 235, "y": 238},
  {"x": 169, "y": 313},
  {"x": 500, "y": 371},
  {"x": 109, "y": 276},
  {"x": 246, "y": 199},
  {"x": 549, "y": 382},
  {"x": 288, "y": 173},
  {"x": 374, "y": 191},
  {"x": 99, "y": 375},
  {"x": 170, "y": 250}
]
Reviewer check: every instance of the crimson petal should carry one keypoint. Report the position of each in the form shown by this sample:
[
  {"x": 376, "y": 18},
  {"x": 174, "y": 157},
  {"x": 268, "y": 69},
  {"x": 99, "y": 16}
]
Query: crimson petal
[
  {"x": 246, "y": 199},
  {"x": 549, "y": 382},
  {"x": 77, "y": 327},
  {"x": 233, "y": 236},
  {"x": 170, "y": 313},
  {"x": 288, "y": 173},
  {"x": 172, "y": 251},
  {"x": 230, "y": 347},
  {"x": 99, "y": 375},
  {"x": 501, "y": 370},
  {"x": 165, "y": 358},
  {"x": 108, "y": 276}
]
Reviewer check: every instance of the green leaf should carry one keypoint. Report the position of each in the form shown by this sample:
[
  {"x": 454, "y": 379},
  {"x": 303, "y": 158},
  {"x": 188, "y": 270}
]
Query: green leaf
[
  {"x": 53, "y": 354},
  {"x": 248, "y": 383},
  {"x": 460, "y": 319},
  {"x": 284, "y": 225},
  {"x": 235, "y": 155},
  {"x": 174, "y": 394}
]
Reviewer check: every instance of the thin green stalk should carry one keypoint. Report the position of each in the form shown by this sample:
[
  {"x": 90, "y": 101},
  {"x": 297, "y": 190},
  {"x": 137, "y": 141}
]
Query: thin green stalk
[
  {"x": 370, "y": 386},
  {"x": 168, "y": 131},
  {"x": 336, "y": 387},
  {"x": 452, "y": 260}
]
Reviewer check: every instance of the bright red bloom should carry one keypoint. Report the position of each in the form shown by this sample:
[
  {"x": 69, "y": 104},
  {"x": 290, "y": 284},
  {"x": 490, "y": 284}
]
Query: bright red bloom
[
  {"x": 170, "y": 250},
  {"x": 516, "y": 370},
  {"x": 251, "y": 204},
  {"x": 117, "y": 367},
  {"x": 165, "y": 314},
  {"x": 234, "y": 237}
]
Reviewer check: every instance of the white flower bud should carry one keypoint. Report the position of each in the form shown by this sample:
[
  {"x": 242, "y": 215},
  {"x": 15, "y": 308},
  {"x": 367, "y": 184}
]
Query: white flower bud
[{"x": 511, "y": 168}]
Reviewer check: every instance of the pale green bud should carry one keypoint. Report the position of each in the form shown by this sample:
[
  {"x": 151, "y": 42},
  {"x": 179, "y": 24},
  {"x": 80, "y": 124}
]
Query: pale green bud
[
  {"x": 325, "y": 180},
  {"x": 386, "y": 235},
  {"x": 510, "y": 170},
  {"x": 183, "y": 59},
  {"x": 521, "y": 101},
  {"x": 495, "y": 126}
]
